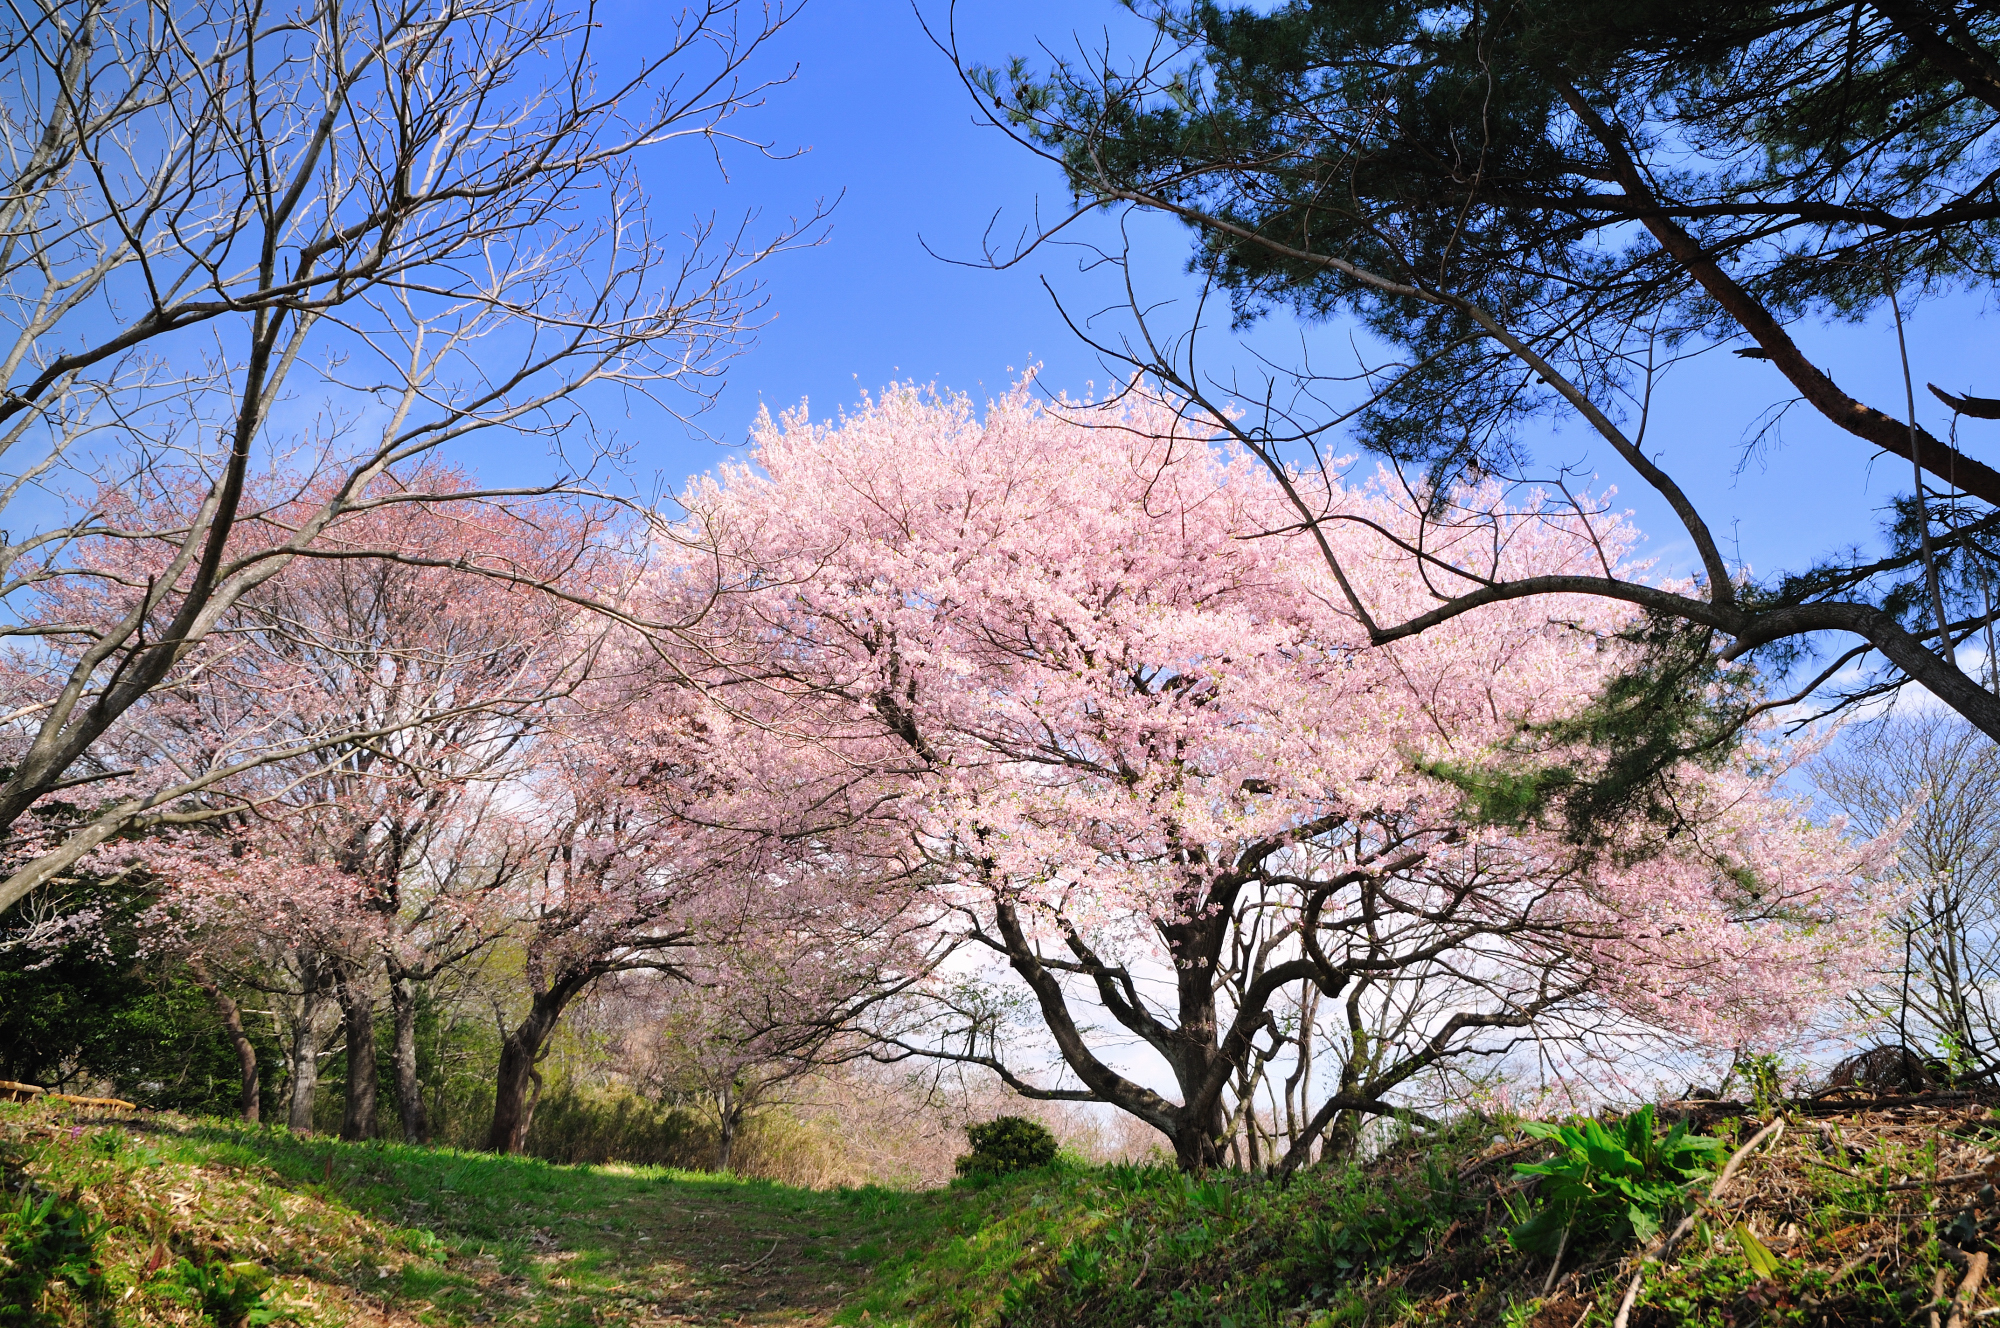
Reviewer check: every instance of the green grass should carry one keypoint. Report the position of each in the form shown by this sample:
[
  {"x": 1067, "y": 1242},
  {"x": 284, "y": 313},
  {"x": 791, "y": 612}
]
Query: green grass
[
  {"x": 448, "y": 1237},
  {"x": 323, "y": 1233}
]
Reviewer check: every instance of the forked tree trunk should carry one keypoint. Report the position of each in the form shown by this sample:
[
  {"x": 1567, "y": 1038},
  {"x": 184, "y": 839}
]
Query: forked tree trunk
[
  {"x": 357, "y": 1008},
  {"x": 403, "y": 1059},
  {"x": 513, "y": 1107},
  {"x": 250, "y": 1101}
]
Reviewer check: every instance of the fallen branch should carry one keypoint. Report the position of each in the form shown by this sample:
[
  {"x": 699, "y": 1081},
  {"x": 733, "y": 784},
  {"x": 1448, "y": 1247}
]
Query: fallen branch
[
  {"x": 1968, "y": 1291},
  {"x": 1499, "y": 1155},
  {"x": 1963, "y": 1178},
  {"x": 767, "y": 1254},
  {"x": 1838, "y": 1107},
  {"x": 10, "y": 1091},
  {"x": 1915, "y": 1183},
  {"x": 1667, "y": 1247},
  {"x": 108, "y": 1103},
  {"x": 1821, "y": 1104}
]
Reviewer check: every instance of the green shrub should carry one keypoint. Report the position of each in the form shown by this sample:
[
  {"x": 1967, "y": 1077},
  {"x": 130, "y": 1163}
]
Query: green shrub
[
  {"x": 1006, "y": 1145},
  {"x": 1611, "y": 1183},
  {"x": 44, "y": 1241}
]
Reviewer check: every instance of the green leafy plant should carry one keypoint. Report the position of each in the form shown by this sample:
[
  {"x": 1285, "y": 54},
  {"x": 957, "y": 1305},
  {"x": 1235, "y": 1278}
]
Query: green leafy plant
[
  {"x": 1764, "y": 1074},
  {"x": 44, "y": 1241},
  {"x": 1006, "y": 1145},
  {"x": 1610, "y": 1182},
  {"x": 229, "y": 1294}
]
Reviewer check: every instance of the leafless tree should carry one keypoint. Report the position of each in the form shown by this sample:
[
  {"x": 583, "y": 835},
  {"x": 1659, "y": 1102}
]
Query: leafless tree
[
  {"x": 1943, "y": 998},
  {"x": 1357, "y": 966},
  {"x": 322, "y": 242}
]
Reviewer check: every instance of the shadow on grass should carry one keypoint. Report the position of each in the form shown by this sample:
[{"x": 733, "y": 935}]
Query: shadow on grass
[{"x": 447, "y": 1237}]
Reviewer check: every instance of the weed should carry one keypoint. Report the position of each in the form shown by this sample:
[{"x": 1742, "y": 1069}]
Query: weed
[
  {"x": 228, "y": 1294},
  {"x": 45, "y": 1241},
  {"x": 1611, "y": 1183}
]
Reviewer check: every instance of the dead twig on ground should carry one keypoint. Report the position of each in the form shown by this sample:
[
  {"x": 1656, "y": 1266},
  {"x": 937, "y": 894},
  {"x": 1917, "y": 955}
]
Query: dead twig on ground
[{"x": 1968, "y": 1291}]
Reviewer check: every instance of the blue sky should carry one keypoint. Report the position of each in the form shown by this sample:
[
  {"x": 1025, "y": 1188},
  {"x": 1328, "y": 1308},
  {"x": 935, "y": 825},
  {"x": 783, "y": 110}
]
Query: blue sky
[{"x": 883, "y": 123}]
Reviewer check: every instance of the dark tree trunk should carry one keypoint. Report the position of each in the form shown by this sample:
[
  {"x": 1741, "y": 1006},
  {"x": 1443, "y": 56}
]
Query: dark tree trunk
[
  {"x": 731, "y": 1118},
  {"x": 513, "y": 1106},
  {"x": 403, "y": 1058},
  {"x": 1198, "y": 1147},
  {"x": 1200, "y": 1128},
  {"x": 250, "y": 1102},
  {"x": 357, "y": 1008}
]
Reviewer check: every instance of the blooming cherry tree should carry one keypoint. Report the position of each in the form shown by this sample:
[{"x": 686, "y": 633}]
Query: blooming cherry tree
[
  {"x": 1135, "y": 748},
  {"x": 381, "y": 860}
]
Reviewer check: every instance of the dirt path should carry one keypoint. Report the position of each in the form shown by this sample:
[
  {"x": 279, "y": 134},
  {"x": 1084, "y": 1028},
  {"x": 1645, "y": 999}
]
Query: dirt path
[{"x": 713, "y": 1260}]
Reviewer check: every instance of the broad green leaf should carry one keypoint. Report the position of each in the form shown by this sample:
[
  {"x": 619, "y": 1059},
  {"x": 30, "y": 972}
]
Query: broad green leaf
[
  {"x": 1610, "y": 1157},
  {"x": 1755, "y": 1252},
  {"x": 1644, "y": 1223}
]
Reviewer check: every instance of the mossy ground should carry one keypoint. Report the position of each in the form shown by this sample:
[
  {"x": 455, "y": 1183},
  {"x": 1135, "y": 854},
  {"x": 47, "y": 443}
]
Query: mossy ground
[{"x": 1866, "y": 1213}]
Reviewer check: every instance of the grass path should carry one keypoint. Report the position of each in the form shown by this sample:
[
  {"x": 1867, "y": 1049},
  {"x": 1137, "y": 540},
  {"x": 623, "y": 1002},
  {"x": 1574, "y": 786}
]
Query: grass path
[{"x": 364, "y": 1234}]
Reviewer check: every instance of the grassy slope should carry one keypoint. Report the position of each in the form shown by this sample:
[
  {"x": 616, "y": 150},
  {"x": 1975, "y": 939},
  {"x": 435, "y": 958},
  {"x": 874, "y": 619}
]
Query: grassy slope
[
  {"x": 1849, "y": 1204},
  {"x": 386, "y": 1234},
  {"x": 370, "y": 1232}
]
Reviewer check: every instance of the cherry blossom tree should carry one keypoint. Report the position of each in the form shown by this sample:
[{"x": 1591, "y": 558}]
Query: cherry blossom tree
[
  {"x": 332, "y": 239},
  {"x": 685, "y": 840},
  {"x": 1141, "y": 753},
  {"x": 380, "y": 861}
]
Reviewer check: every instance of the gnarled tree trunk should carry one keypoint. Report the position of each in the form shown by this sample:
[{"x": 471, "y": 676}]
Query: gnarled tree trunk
[{"x": 513, "y": 1105}]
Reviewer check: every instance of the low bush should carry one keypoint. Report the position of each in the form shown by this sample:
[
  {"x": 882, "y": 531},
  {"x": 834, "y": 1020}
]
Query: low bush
[{"x": 1006, "y": 1145}]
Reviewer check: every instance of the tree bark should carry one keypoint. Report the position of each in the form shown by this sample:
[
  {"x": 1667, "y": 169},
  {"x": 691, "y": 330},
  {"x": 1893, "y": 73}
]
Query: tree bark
[
  {"x": 403, "y": 1058},
  {"x": 1200, "y": 1130},
  {"x": 513, "y": 1108},
  {"x": 731, "y": 1116},
  {"x": 357, "y": 1008},
  {"x": 250, "y": 1102},
  {"x": 303, "y": 1055}
]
